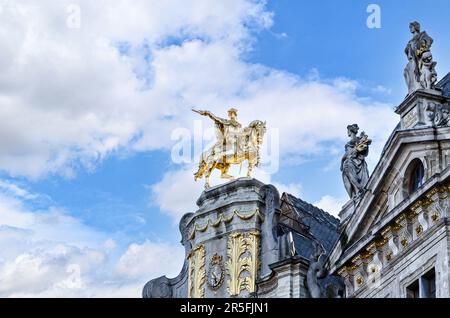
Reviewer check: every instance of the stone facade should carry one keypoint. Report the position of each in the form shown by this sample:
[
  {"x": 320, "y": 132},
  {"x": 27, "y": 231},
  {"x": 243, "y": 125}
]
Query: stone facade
[
  {"x": 395, "y": 240},
  {"x": 288, "y": 280},
  {"x": 245, "y": 241}
]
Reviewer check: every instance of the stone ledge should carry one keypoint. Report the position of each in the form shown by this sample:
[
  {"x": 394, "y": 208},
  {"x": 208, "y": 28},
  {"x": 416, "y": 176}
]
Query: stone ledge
[{"x": 232, "y": 186}]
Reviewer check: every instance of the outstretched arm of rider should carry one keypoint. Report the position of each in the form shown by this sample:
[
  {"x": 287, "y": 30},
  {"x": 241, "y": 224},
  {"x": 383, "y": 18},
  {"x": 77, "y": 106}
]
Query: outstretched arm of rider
[
  {"x": 215, "y": 118},
  {"x": 210, "y": 115}
]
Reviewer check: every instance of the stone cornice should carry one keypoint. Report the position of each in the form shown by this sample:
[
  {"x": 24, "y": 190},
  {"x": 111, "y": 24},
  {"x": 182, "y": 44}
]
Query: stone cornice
[
  {"x": 429, "y": 94},
  {"x": 406, "y": 224},
  {"x": 207, "y": 222},
  {"x": 418, "y": 197},
  {"x": 230, "y": 187}
]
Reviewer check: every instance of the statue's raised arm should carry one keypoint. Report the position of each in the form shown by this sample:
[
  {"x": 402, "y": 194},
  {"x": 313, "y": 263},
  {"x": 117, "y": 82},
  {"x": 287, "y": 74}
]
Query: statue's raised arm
[
  {"x": 233, "y": 145},
  {"x": 207, "y": 113}
]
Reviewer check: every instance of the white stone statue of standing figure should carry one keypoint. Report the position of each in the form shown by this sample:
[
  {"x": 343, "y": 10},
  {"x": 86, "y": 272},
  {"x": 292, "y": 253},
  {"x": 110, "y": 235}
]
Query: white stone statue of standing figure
[
  {"x": 420, "y": 72},
  {"x": 355, "y": 173}
]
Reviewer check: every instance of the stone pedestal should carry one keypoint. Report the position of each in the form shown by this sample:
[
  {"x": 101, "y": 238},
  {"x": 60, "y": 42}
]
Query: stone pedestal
[
  {"x": 417, "y": 109},
  {"x": 230, "y": 242}
]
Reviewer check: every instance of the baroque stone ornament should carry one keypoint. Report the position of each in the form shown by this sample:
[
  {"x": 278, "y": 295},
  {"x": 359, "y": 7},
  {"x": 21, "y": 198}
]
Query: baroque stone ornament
[
  {"x": 318, "y": 281},
  {"x": 355, "y": 173},
  {"x": 270, "y": 247},
  {"x": 234, "y": 145},
  {"x": 438, "y": 114},
  {"x": 242, "y": 264},
  {"x": 420, "y": 72},
  {"x": 316, "y": 271},
  {"x": 158, "y": 288},
  {"x": 216, "y": 272},
  {"x": 225, "y": 219},
  {"x": 394, "y": 240},
  {"x": 196, "y": 272}
]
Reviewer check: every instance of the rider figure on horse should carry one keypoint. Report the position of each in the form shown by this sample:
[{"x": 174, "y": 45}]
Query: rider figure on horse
[
  {"x": 234, "y": 145},
  {"x": 228, "y": 132}
]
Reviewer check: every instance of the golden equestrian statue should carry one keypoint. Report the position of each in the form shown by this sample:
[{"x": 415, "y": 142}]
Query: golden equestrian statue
[{"x": 234, "y": 145}]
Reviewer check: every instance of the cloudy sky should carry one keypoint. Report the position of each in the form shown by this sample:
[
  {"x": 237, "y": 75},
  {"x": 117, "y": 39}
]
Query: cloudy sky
[{"x": 95, "y": 96}]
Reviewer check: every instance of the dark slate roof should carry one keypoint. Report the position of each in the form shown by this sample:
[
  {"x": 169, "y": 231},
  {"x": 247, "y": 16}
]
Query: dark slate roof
[
  {"x": 321, "y": 225},
  {"x": 444, "y": 85}
]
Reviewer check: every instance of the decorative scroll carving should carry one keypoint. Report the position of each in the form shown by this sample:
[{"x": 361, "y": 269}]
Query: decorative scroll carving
[
  {"x": 438, "y": 114},
  {"x": 316, "y": 271},
  {"x": 158, "y": 288},
  {"x": 269, "y": 237},
  {"x": 162, "y": 287},
  {"x": 253, "y": 249},
  {"x": 242, "y": 264},
  {"x": 197, "y": 273}
]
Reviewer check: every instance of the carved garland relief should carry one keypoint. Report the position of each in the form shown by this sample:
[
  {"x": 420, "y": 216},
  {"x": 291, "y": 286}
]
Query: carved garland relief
[{"x": 226, "y": 219}]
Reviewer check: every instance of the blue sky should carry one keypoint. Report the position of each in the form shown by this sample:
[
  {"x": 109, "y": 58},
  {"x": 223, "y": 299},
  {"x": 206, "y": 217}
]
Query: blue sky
[
  {"x": 100, "y": 152},
  {"x": 332, "y": 37}
]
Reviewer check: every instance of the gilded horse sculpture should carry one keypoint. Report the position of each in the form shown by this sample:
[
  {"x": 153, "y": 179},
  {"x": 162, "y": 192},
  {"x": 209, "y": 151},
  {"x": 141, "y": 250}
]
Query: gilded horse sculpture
[{"x": 234, "y": 145}]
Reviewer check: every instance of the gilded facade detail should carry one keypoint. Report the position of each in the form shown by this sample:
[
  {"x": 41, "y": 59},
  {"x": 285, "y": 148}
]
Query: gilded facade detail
[
  {"x": 401, "y": 230},
  {"x": 197, "y": 273},
  {"x": 242, "y": 264}
]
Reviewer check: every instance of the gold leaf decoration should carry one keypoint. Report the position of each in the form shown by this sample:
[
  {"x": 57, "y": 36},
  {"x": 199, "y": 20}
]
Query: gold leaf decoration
[
  {"x": 197, "y": 273},
  {"x": 242, "y": 264}
]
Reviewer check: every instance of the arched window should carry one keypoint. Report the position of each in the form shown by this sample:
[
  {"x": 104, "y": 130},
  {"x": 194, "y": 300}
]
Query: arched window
[{"x": 416, "y": 176}]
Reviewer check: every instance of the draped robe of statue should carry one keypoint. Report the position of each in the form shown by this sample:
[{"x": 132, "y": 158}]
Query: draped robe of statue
[
  {"x": 355, "y": 172},
  {"x": 420, "y": 71},
  {"x": 412, "y": 73}
]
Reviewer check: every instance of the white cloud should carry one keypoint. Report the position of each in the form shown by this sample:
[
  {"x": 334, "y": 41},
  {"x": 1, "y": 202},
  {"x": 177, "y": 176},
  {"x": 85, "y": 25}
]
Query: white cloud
[
  {"x": 292, "y": 188},
  {"x": 69, "y": 98},
  {"x": 50, "y": 254},
  {"x": 15, "y": 190},
  {"x": 177, "y": 193},
  {"x": 110, "y": 244},
  {"x": 148, "y": 259},
  {"x": 43, "y": 269},
  {"x": 331, "y": 204}
]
